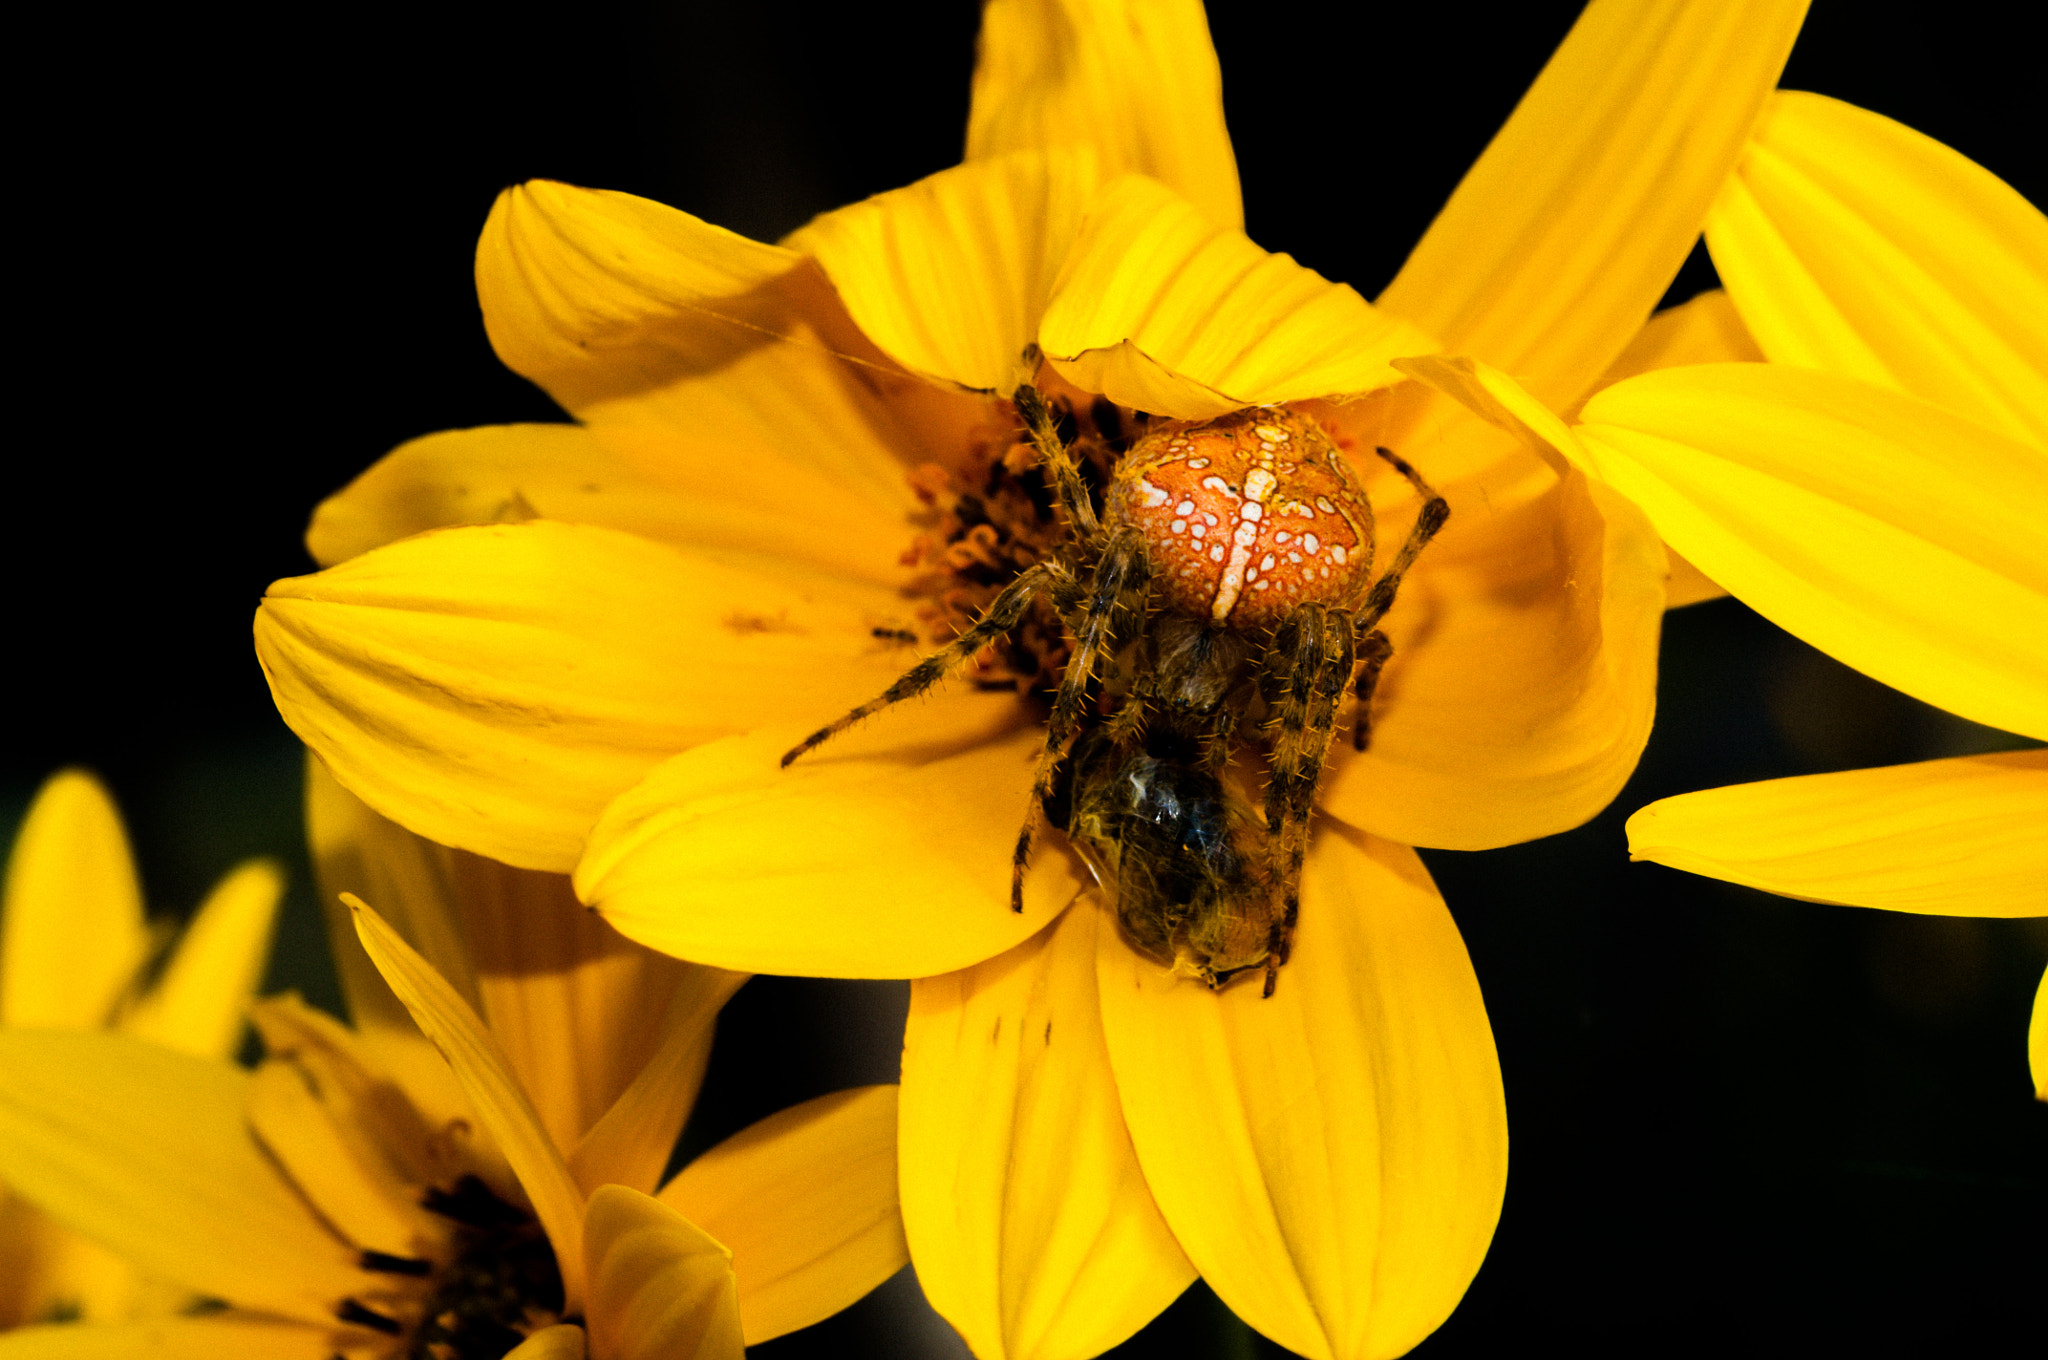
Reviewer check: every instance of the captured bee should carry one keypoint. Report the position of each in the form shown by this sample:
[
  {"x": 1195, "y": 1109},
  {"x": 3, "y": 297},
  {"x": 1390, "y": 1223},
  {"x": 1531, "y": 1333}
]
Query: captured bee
[{"x": 1214, "y": 582}]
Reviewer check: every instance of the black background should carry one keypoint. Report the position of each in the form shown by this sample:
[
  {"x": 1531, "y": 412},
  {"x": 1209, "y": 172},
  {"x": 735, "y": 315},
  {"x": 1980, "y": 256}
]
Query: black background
[{"x": 242, "y": 272}]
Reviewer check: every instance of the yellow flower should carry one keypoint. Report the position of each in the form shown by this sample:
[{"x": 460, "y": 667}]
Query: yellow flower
[
  {"x": 1879, "y": 489},
  {"x": 76, "y": 953},
  {"x": 349, "y": 1198},
  {"x": 646, "y": 609}
]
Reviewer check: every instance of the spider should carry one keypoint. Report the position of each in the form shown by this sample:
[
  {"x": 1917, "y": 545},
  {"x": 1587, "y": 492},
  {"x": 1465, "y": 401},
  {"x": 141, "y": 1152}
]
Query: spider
[{"x": 1219, "y": 602}]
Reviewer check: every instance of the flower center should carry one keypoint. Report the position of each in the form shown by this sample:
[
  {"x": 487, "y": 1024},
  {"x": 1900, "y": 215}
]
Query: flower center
[{"x": 499, "y": 1285}]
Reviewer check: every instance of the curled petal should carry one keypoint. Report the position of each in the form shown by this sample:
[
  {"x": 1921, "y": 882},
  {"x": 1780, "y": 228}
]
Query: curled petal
[
  {"x": 660, "y": 1287},
  {"x": 1561, "y": 238},
  {"x": 1897, "y": 537},
  {"x": 1164, "y": 309},
  {"x": 1032, "y": 1227},
  {"x": 501, "y": 1105},
  {"x": 1856, "y": 245},
  {"x": 1523, "y": 677},
  {"x": 806, "y": 1202},
  {"x": 885, "y": 853},
  {"x": 144, "y": 1149},
  {"x": 951, "y": 275},
  {"x": 596, "y": 294},
  {"x": 1137, "y": 81},
  {"x": 1959, "y": 837},
  {"x": 71, "y": 926},
  {"x": 493, "y": 688},
  {"x": 1331, "y": 1157}
]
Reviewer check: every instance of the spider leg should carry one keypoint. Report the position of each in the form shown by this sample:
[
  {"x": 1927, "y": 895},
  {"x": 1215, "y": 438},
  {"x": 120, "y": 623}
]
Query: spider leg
[
  {"x": 1435, "y": 510},
  {"x": 1373, "y": 651},
  {"x": 1305, "y": 672},
  {"x": 1119, "y": 586},
  {"x": 1004, "y": 614},
  {"x": 1067, "y": 481}
]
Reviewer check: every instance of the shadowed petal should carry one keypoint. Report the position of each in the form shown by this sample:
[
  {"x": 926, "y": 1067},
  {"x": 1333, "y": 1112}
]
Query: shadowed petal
[
  {"x": 950, "y": 275},
  {"x": 493, "y": 688},
  {"x": 1563, "y": 235},
  {"x": 71, "y": 926},
  {"x": 1959, "y": 837},
  {"x": 630, "y": 1143},
  {"x": 806, "y": 1202},
  {"x": 1522, "y": 682},
  {"x": 1332, "y": 1157},
  {"x": 200, "y": 1003},
  {"x": 562, "y": 1342},
  {"x": 178, "y": 1338},
  {"x": 1854, "y": 244},
  {"x": 501, "y": 1105},
  {"x": 145, "y": 1150},
  {"x": 1138, "y": 82},
  {"x": 1031, "y": 1224},
  {"x": 660, "y": 1287},
  {"x": 884, "y": 854},
  {"x": 1163, "y": 309},
  {"x": 1897, "y": 537}
]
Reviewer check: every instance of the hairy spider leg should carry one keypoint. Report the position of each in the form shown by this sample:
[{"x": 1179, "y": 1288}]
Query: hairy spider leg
[
  {"x": 1118, "y": 586},
  {"x": 1067, "y": 482},
  {"x": 1373, "y": 646},
  {"x": 1306, "y": 669},
  {"x": 1048, "y": 576}
]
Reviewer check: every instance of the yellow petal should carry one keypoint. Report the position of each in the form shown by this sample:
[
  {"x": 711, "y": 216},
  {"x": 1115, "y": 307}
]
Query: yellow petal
[
  {"x": 145, "y": 1150},
  {"x": 71, "y": 925},
  {"x": 399, "y": 1141},
  {"x": 563, "y": 1342},
  {"x": 178, "y": 1338},
  {"x": 1960, "y": 837},
  {"x": 1523, "y": 676},
  {"x": 884, "y": 854},
  {"x": 2037, "y": 1040},
  {"x": 1331, "y": 1157},
  {"x": 595, "y": 294},
  {"x": 48, "y": 1271},
  {"x": 1163, "y": 309},
  {"x": 1033, "y": 1230},
  {"x": 1854, "y": 244},
  {"x": 1687, "y": 584},
  {"x": 1897, "y": 537},
  {"x": 660, "y": 1287},
  {"x": 493, "y": 688},
  {"x": 200, "y": 1002},
  {"x": 1567, "y": 230},
  {"x": 1138, "y": 82},
  {"x": 341, "y": 1171},
  {"x": 577, "y": 1009},
  {"x": 951, "y": 274},
  {"x": 357, "y": 851},
  {"x": 501, "y": 1105},
  {"x": 630, "y": 1143},
  {"x": 1705, "y": 330},
  {"x": 806, "y": 1202}
]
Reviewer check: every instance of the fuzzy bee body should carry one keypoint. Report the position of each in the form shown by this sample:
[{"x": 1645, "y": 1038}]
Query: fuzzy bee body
[{"x": 1215, "y": 584}]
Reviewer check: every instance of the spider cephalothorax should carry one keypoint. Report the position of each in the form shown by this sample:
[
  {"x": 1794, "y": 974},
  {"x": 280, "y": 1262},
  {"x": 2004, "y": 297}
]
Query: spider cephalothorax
[{"x": 1219, "y": 603}]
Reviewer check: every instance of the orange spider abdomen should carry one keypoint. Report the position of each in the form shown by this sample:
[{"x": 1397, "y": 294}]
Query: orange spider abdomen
[{"x": 1246, "y": 516}]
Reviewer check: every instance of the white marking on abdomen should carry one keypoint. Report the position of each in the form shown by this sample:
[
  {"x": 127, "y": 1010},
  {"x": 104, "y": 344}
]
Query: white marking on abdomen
[{"x": 1230, "y": 584}]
